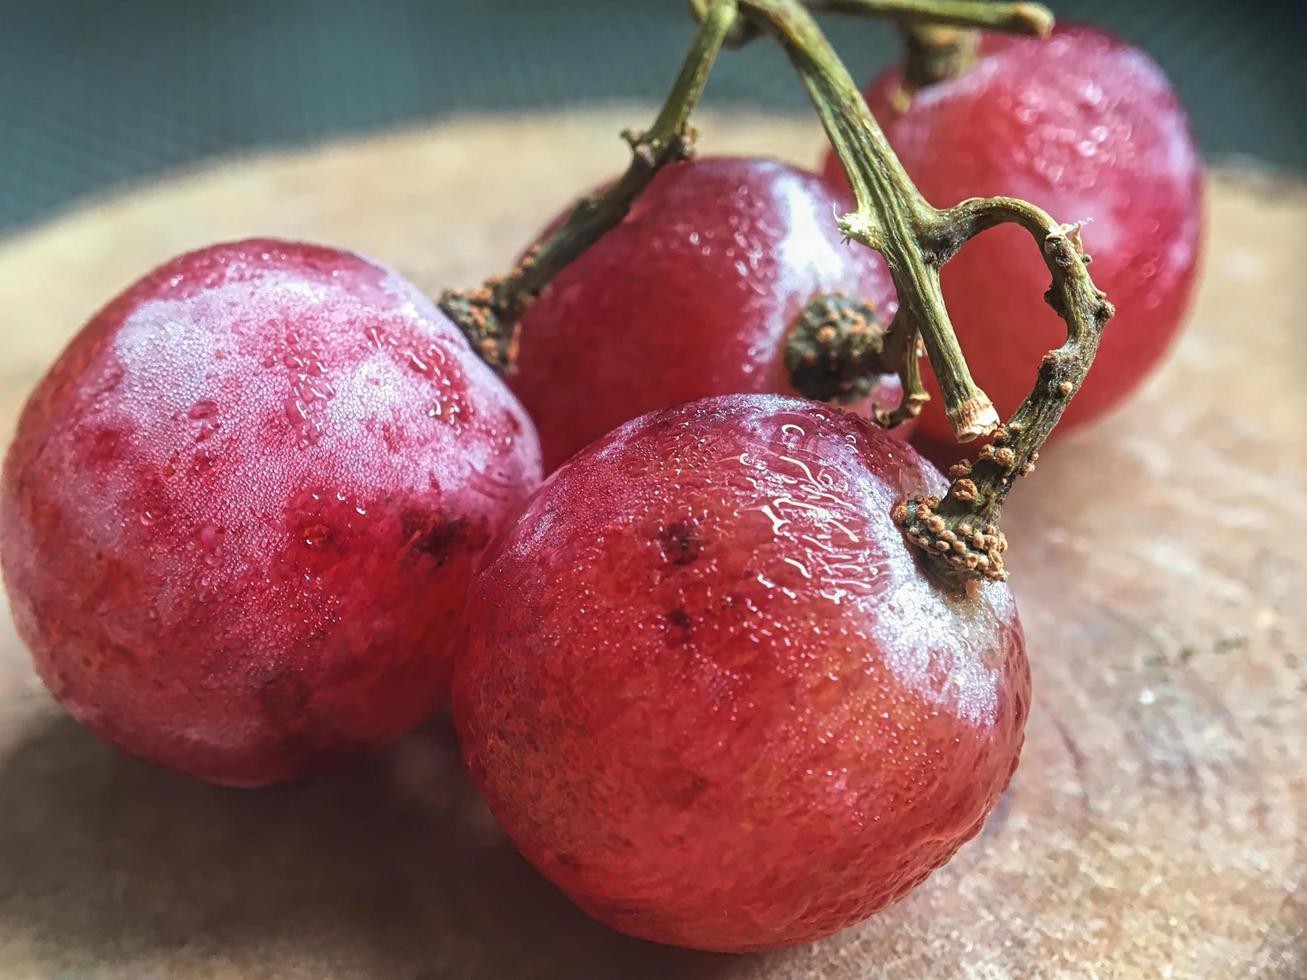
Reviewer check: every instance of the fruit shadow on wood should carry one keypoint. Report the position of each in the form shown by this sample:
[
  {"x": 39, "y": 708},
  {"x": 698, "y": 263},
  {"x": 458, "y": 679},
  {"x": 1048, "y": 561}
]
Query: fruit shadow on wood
[{"x": 387, "y": 866}]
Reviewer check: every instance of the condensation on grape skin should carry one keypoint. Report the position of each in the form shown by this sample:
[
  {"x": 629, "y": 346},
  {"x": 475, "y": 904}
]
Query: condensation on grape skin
[
  {"x": 253, "y": 498},
  {"x": 708, "y": 692}
]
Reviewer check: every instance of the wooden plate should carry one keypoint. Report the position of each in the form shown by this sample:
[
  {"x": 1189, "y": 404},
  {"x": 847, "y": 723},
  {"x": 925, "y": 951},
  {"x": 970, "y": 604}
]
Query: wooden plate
[{"x": 1156, "y": 826}]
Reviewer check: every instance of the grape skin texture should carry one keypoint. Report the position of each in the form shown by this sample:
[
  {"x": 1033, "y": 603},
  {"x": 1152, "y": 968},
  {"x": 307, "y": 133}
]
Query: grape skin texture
[
  {"x": 690, "y": 295},
  {"x": 1087, "y": 127},
  {"x": 708, "y": 692},
  {"x": 240, "y": 513}
]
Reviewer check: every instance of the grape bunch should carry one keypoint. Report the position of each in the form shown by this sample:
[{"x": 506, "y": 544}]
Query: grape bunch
[{"x": 745, "y": 668}]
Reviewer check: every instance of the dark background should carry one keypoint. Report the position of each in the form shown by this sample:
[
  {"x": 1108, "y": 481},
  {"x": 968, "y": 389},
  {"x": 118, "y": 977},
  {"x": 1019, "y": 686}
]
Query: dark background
[{"x": 94, "y": 93}]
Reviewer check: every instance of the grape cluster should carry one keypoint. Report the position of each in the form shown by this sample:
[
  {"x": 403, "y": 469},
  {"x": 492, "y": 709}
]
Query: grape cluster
[{"x": 745, "y": 668}]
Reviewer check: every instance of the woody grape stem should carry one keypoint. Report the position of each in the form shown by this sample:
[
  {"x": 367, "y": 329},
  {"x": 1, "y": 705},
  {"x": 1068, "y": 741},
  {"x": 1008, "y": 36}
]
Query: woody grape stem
[
  {"x": 958, "y": 535},
  {"x": 489, "y": 314}
]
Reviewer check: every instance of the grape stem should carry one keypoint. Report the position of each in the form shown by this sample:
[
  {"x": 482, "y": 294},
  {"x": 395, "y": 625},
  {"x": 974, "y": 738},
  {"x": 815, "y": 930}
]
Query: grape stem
[
  {"x": 489, "y": 314},
  {"x": 939, "y": 47},
  {"x": 1032, "y": 19},
  {"x": 934, "y": 52},
  {"x": 891, "y": 213}
]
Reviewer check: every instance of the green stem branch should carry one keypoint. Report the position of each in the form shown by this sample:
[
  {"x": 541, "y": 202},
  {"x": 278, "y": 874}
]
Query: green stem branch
[
  {"x": 958, "y": 533},
  {"x": 489, "y": 314}
]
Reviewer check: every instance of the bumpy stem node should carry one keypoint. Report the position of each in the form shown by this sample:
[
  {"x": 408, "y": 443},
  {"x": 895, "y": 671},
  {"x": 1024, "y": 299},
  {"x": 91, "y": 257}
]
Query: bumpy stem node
[{"x": 834, "y": 351}]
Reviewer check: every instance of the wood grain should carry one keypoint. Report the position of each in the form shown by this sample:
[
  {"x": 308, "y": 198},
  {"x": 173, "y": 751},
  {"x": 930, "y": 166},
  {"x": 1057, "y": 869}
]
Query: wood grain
[{"x": 1156, "y": 826}]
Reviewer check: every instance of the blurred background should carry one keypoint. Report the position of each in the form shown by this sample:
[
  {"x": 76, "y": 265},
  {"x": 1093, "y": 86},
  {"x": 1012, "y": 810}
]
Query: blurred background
[{"x": 95, "y": 94}]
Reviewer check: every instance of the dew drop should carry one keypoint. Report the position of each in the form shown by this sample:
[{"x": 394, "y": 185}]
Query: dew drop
[{"x": 802, "y": 568}]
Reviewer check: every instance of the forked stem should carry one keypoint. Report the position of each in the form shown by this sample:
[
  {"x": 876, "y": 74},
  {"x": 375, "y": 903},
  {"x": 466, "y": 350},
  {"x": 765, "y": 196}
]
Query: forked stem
[
  {"x": 959, "y": 534},
  {"x": 1031, "y": 19}
]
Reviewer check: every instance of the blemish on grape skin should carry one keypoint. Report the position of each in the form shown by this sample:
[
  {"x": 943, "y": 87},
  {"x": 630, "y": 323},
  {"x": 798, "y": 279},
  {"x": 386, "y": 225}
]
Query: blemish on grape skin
[{"x": 680, "y": 541}]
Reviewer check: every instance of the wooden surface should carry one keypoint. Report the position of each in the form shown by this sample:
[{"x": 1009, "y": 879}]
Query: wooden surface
[{"x": 1156, "y": 826}]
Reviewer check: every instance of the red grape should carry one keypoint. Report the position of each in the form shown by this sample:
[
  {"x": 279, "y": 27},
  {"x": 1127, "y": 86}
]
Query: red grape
[
  {"x": 708, "y": 691},
  {"x": 1087, "y": 127},
  {"x": 691, "y": 294},
  {"x": 241, "y": 511}
]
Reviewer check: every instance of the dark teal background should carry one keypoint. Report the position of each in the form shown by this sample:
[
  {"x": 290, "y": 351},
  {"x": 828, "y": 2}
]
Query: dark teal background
[{"x": 97, "y": 92}]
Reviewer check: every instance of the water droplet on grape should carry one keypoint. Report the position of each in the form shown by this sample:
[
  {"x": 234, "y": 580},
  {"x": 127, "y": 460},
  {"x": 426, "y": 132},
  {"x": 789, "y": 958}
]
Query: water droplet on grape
[{"x": 802, "y": 568}]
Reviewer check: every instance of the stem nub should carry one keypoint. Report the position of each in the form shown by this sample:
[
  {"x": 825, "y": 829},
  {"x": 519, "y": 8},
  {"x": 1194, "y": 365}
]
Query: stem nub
[
  {"x": 933, "y": 53},
  {"x": 835, "y": 350}
]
